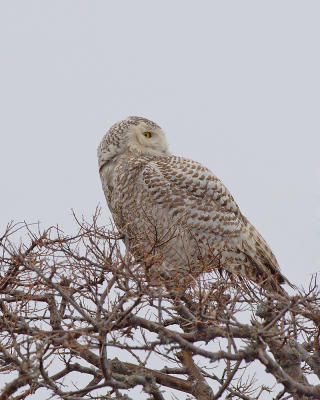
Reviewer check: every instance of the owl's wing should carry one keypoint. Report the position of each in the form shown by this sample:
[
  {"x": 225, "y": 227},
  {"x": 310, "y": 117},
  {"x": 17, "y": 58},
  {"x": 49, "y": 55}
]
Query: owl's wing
[{"x": 185, "y": 187}]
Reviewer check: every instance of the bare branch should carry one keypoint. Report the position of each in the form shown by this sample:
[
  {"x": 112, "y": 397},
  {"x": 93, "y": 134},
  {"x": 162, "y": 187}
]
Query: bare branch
[{"x": 81, "y": 319}]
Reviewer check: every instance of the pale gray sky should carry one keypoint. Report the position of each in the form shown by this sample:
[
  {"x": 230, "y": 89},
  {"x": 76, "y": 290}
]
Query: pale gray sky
[{"x": 235, "y": 84}]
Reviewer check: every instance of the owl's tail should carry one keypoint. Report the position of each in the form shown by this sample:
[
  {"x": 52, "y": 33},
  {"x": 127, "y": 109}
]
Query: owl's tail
[{"x": 268, "y": 274}]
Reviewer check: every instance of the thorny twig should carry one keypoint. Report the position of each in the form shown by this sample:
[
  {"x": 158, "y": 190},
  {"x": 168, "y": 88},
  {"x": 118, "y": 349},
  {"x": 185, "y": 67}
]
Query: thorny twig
[{"x": 82, "y": 320}]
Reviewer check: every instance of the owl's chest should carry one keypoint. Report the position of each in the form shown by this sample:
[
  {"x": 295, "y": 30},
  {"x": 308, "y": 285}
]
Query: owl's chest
[{"x": 124, "y": 194}]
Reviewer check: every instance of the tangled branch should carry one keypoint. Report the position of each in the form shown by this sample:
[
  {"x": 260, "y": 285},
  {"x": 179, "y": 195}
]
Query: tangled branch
[{"x": 81, "y": 319}]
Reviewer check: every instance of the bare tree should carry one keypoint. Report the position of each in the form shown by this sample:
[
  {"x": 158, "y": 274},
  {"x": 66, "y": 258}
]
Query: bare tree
[{"x": 81, "y": 319}]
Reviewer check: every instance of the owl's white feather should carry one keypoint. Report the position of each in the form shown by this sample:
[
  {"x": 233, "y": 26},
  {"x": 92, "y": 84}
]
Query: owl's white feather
[{"x": 177, "y": 210}]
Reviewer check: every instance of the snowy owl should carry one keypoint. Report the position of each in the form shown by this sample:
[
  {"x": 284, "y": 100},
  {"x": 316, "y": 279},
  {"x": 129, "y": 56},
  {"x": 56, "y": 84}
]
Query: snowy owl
[{"x": 176, "y": 212}]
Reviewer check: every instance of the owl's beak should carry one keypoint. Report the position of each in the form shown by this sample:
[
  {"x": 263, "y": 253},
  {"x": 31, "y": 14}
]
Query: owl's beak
[
  {"x": 100, "y": 169},
  {"x": 103, "y": 165}
]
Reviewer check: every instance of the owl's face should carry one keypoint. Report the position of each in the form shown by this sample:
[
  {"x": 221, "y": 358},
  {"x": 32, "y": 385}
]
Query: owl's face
[{"x": 133, "y": 134}]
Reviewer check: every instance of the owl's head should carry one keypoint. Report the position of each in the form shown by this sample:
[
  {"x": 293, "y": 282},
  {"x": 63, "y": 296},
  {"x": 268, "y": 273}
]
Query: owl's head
[{"x": 133, "y": 134}]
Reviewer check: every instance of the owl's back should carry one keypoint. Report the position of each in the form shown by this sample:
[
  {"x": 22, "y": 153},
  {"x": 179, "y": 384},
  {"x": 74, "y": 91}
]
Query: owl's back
[{"x": 176, "y": 211}]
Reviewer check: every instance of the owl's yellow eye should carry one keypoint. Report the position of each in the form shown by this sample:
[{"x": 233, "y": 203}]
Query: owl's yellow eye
[{"x": 147, "y": 134}]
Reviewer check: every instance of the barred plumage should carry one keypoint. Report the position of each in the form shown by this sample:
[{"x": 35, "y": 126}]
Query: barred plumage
[{"x": 177, "y": 210}]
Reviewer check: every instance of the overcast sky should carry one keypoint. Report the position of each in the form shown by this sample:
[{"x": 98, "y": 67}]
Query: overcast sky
[{"x": 235, "y": 85}]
